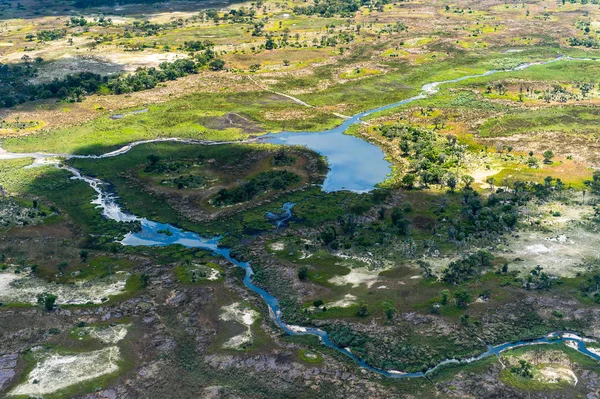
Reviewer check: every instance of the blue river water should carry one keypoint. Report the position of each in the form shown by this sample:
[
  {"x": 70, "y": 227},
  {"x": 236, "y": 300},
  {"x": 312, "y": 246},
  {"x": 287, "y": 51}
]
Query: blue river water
[
  {"x": 354, "y": 165},
  {"x": 149, "y": 236},
  {"x": 280, "y": 219}
]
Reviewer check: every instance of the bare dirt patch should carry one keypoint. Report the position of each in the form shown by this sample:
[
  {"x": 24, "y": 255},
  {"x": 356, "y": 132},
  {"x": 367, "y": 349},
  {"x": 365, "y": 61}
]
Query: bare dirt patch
[
  {"x": 57, "y": 372},
  {"x": 231, "y": 121},
  {"x": 244, "y": 316},
  {"x": 24, "y": 288}
]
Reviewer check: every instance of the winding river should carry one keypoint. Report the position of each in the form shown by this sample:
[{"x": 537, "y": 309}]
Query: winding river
[
  {"x": 149, "y": 236},
  {"x": 355, "y": 165}
]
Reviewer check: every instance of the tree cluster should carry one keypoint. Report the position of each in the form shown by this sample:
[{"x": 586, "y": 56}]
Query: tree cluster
[{"x": 271, "y": 180}]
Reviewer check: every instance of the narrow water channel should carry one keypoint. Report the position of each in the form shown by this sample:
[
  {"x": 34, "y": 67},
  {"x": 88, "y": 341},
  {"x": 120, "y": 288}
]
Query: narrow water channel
[
  {"x": 149, "y": 236},
  {"x": 355, "y": 165}
]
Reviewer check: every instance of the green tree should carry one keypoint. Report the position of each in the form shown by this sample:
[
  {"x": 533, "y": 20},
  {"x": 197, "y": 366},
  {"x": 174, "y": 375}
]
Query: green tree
[
  {"x": 451, "y": 181},
  {"x": 303, "y": 273},
  {"x": 468, "y": 180},
  {"x": 47, "y": 300},
  {"x": 363, "y": 310},
  {"x": 270, "y": 43},
  {"x": 445, "y": 294},
  {"x": 390, "y": 312},
  {"x": 463, "y": 297},
  {"x": 408, "y": 180},
  {"x": 216, "y": 65},
  {"x": 548, "y": 155},
  {"x": 144, "y": 280}
]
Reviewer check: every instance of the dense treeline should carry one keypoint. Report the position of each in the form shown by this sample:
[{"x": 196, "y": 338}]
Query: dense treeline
[
  {"x": 271, "y": 180},
  {"x": 111, "y": 3},
  {"x": 16, "y": 89},
  {"x": 331, "y": 8},
  {"x": 589, "y": 42},
  {"x": 467, "y": 267},
  {"x": 49, "y": 35}
]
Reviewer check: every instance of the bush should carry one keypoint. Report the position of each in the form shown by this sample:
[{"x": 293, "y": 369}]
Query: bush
[
  {"x": 271, "y": 180},
  {"x": 303, "y": 273}
]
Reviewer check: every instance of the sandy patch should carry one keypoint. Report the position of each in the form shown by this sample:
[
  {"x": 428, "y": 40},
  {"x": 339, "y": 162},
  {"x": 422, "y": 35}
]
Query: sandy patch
[
  {"x": 108, "y": 334},
  {"x": 480, "y": 175},
  {"x": 575, "y": 336},
  {"x": 368, "y": 260},
  {"x": 130, "y": 61},
  {"x": 277, "y": 246},
  {"x": 595, "y": 351},
  {"x": 559, "y": 254},
  {"x": 24, "y": 288},
  {"x": 556, "y": 374},
  {"x": 537, "y": 249},
  {"x": 213, "y": 274},
  {"x": 562, "y": 245},
  {"x": 243, "y": 315},
  {"x": 346, "y": 302},
  {"x": 357, "y": 277},
  {"x": 57, "y": 372}
]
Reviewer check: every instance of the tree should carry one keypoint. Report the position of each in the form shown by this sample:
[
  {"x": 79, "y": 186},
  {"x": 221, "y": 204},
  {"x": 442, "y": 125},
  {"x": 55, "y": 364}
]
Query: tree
[
  {"x": 484, "y": 258},
  {"x": 303, "y": 273},
  {"x": 286, "y": 62},
  {"x": 390, "y": 312},
  {"x": 399, "y": 221},
  {"x": 404, "y": 146},
  {"x": 451, "y": 181},
  {"x": 144, "y": 280},
  {"x": 491, "y": 182},
  {"x": 468, "y": 180},
  {"x": 548, "y": 155},
  {"x": 408, "y": 180},
  {"x": 524, "y": 369},
  {"x": 329, "y": 235},
  {"x": 83, "y": 255},
  {"x": 318, "y": 303},
  {"x": 216, "y": 65},
  {"x": 254, "y": 67},
  {"x": 47, "y": 300},
  {"x": 363, "y": 310},
  {"x": 463, "y": 297},
  {"x": 426, "y": 269},
  {"x": 445, "y": 294},
  {"x": 153, "y": 159},
  {"x": 62, "y": 266},
  {"x": 270, "y": 43}
]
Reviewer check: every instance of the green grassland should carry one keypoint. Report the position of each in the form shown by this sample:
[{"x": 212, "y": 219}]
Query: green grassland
[{"x": 179, "y": 118}]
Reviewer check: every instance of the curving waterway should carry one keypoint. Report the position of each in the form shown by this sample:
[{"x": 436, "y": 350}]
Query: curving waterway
[
  {"x": 355, "y": 165},
  {"x": 149, "y": 236}
]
